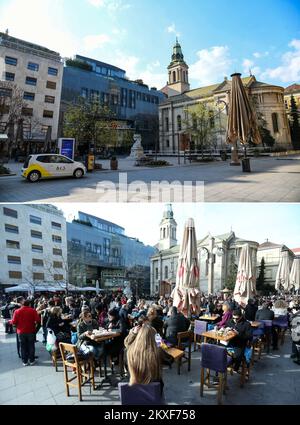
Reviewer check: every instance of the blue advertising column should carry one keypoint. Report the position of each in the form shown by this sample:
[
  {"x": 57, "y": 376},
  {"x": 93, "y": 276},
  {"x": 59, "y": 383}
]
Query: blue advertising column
[{"x": 66, "y": 147}]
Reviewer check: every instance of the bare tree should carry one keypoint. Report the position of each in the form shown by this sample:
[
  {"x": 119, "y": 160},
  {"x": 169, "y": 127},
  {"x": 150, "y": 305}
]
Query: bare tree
[{"x": 11, "y": 106}]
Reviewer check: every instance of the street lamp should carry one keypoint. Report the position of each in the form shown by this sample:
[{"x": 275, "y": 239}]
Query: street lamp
[{"x": 212, "y": 251}]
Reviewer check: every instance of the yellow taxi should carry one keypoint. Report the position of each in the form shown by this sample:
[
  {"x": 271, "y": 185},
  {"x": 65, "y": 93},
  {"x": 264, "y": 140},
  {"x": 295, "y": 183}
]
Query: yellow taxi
[{"x": 45, "y": 166}]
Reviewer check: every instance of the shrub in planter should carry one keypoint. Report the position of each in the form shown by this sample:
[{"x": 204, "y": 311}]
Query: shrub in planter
[{"x": 157, "y": 163}]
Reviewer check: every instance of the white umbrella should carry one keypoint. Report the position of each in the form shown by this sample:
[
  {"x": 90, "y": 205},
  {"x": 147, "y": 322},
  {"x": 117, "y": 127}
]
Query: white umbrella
[
  {"x": 283, "y": 272},
  {"x": 245, "y": 286},
  {"x": 295, "y": 274},
  {"x": 186, "y": 295}
]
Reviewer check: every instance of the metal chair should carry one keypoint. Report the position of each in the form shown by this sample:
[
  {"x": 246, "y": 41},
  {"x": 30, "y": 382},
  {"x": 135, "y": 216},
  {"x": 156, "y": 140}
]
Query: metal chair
[
  {"x": 215, "y": 358},
  {"x": 282, "y": 324},
  {"x": 145, "y": 395},
  {"x": 199, "y": 327}
]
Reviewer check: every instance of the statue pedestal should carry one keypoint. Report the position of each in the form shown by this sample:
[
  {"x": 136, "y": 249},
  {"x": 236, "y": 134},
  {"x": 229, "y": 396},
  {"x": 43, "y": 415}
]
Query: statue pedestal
[{"x": 137, "y": 150}]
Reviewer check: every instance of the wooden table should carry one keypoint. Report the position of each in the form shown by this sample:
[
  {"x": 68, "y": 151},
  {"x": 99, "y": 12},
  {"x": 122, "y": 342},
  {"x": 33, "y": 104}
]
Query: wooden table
[
  {"x": 176, "y": 354},
  {"x": 214, "y": 335},
  {"x": 209, "y": 318},
  {"x": 104, "y": 337},
  {"x": 255, "y": 324}
]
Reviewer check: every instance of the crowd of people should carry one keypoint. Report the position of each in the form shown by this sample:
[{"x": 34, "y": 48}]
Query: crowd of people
[{"x": 140, "y": 324}]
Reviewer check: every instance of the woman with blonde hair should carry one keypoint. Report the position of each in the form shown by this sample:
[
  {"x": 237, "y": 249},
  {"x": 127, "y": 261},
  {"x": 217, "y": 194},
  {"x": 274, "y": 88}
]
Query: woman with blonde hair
[{"x": 143, "y": 357}]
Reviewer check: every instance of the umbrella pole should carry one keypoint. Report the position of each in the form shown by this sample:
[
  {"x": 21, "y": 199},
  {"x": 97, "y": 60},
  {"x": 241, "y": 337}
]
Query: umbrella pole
[{"x": 234, "y": 156}]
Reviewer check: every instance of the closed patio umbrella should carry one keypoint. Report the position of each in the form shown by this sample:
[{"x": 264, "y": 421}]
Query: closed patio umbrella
[
  {"x": 245, "y": 286},
  {"x": 186, "y": 294},
  {"x": 242, "y": 122},
  {"x": 295, "y": 274},
  {"x": 283, "y": 272}
]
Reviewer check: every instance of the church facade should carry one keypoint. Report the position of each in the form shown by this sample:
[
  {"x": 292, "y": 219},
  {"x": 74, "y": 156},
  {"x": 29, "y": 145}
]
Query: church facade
[
  {"x": 173, "y": 112},
  {"x": 225, "y": 250}
]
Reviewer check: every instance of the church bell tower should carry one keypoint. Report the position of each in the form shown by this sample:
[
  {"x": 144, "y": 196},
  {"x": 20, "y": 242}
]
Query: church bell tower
[
  {"x": 168, "y": 229},
  {"x": 178, "y": 81}
]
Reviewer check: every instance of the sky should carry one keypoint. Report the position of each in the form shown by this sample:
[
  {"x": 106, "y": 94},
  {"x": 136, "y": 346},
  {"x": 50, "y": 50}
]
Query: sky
[
  {"x": 218, "y": 37},
  {"x": 256, "y": 222}
]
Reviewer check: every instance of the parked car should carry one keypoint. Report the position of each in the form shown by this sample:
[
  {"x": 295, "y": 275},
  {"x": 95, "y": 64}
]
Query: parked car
[{"x": 45, "y": 166}]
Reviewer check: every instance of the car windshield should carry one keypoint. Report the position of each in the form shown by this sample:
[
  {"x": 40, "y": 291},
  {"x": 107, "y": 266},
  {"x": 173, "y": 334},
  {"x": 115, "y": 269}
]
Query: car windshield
[{"x": 26, "y": 163}]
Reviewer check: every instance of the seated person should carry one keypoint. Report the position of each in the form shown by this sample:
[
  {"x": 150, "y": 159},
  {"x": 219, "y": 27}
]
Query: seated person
[
  {"x": 243, "y": 335},
  {"x": 177, "y": 322},
  {"x": 143, "y": 357},
  {"x": 265, "y": 313},
  {"x": 227, "y": 316},
  {"x": 114, "y": 346},
  {"x": 250, "y": 310},
  {"x": 85, "y": 328},
  {"x": 155, "y": 321},
  {"x": 60, "y": 328}
]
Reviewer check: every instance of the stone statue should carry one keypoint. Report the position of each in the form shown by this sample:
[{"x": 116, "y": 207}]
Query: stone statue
[{"x": 137, "y": 150}]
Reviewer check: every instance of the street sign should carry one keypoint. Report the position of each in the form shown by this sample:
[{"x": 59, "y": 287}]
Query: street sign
[{"x": 67, "y": 147}]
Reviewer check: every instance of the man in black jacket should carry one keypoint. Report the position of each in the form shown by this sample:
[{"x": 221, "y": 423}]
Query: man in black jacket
[
  {"x": 267, "y": 314},
  {"x": 174, "y": 324},
  {"x": 250, "y": 310},
  {"x": 243, "y": 335}
]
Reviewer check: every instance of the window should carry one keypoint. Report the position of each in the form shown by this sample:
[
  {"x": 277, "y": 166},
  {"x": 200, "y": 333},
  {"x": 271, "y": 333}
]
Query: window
[
  {"x": 11, "y": 229},
  {"x": 167, "y": 143},
  {"x": 88, "y": 246},
  {"x": 48, "y": 114},
  {"x": 57, "y": 239},
  {"x": 31, "y": 81},
  {"x": 35, "y": 234},
  {"x": 84, "y": 92},
  {"x": 11, "y": 61},
  {"x": 37, "y": 262},
  {"x": 13, "y": 260},
  {"x": 12, "y": 244},
  {"x": 55, "y": 225},
  {"x": 106, "y": 247},
  {"x": 275, "y": 122},
  {"x": 15, "y": 275},
  {"x": 28, "y": 112},
  {"x": 58, "y": 277},
  {"x": 51, "y": 85},
  {"x": 36, "y": 220},
  {"x": 9, "y": 76},
  {"x": 29, "y": 96},
  {"x": 57, "y": 264},
  {"x": 76, "y": 242},
  {"x": 195, "y": 123},
  {"x": 62, "y": 160},
  {"x": 52, "y": 71},
  {"x": 156, "y": 273},
  {"x": 49, "y": 99},
  {"x": 5, "y": 92},
  {"x": 179, "y": 125},
  {"x": 37, "y": 248},
  {"x": 38, "y": 276},
  {"x": 97, "y": 249},
  {"x": 57, "y": 251},
  {"x": 33, "y": 66},
  {"x": 167, "y": 124},
  {"x": 95, "y": 96},
  {"x": 211, "y": 119},
  {"x": 166, "y": 272},
  {"x": 174, "y": 77},
  {"x": 10, "y": 213}
]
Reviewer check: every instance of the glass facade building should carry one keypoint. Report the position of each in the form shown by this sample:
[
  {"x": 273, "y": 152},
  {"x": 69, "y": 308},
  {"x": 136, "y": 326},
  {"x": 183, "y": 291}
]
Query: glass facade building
[
  {"x": 132, "y": 102},
  {"x": 100, "y": 250}
]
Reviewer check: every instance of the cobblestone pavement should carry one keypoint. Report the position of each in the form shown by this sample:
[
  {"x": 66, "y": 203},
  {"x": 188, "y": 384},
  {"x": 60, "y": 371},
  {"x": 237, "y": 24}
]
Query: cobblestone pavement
[
  {"x": 271, "y": 180},
  {"x": 275, "y": 379}
]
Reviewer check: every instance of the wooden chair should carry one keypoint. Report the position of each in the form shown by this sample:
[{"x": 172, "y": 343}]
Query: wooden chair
[
  {"x": 83, "y": 368},
  {"x": 55, "y": 357},
  {"x": 200, "y": 326},
  {"x": 184, "y": 343}
]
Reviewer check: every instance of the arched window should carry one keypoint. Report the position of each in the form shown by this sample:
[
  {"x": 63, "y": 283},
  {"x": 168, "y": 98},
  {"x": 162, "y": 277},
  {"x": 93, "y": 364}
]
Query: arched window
[
  {"x": 166, "y": 272},
  {"x": 179, "y": 124},
  {"x": 275, "y": 122},
  {"x": 164, "y": 233},
  {"x": 174, "y": 76}
]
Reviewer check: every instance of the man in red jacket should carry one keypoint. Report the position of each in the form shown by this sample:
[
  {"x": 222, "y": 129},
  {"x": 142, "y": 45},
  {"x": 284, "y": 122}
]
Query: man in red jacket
[{"x": 25, "y": 319}]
